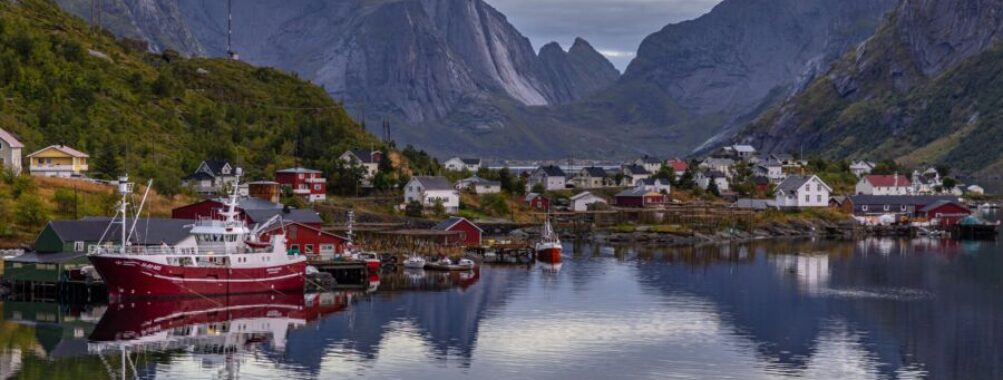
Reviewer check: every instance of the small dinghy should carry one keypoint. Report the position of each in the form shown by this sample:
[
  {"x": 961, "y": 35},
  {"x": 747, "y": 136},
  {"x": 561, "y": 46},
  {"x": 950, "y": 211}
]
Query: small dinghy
[
  {"x": 414, "y": 262},
  {"x": 449, "y": 265}
]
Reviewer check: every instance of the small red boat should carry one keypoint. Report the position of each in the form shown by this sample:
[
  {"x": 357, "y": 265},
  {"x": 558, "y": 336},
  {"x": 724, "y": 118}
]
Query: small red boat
[{"x": 549, "y": 248}]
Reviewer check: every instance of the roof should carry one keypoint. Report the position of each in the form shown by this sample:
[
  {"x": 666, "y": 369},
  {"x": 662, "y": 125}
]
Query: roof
[
  {"x": 583, "y": 194},
  {"x": 363, "y": 155},
  {"x": 655, "y": 181},
  {"x": 299, "y": 170},
  {"x": 433, "y": 182},
  {"x": 252, "y": 203},
  {"x": 782, "y": 156},
  {"x": 306, "y": 216},
  {"x": 445, "y": 225},
  {"x": 552, "y": 171},
  {"x": 941, "y": 203},
  {"x": 471, "y": 161},
  {"x": 216, "y": 166},
  {"x": 915, "y": 200},
  {"x": 10, "y": 139},
  {"x": 287, "y": 223},
  {"x": 477, "y": 180},
  {"x": 635, "y": 169},
  {"x": 840, "y": 199},
  {"x": 878, "y": 180},
  {"x": 755, "y": 204},
  {"x": 650, "y": 160},
  {"x": 744, "y": 148},
  {"x": 859, "y": 164},
  {"x": 198, "y": 176},
  {"x": 62, "y": 148},
  {"x": 594, "y": 171},
  {"x": 714, "y": 174},
  {"x": 678, "y": 165},
  {"x": 794, "y": 182},
  {"x": 148, "y": 231},
  {"x": 635, "y": 192}
]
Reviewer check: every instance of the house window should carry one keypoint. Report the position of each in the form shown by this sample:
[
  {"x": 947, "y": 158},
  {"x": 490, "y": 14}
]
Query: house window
[
  {"x": 326, "y": 248},
  {"x": 16, "y": 266},
  {"x": 887, "y": 207},
  {"x": 902, "y": 208},
  {"x": 308, "y": 248},
  {"x": 864, "y": 207},
  {"x": 316, "y": 187},
  {"x": 807, "y": 198},
  {"x": 819, "y": 198},
  {"x": 78, "y": 246}
]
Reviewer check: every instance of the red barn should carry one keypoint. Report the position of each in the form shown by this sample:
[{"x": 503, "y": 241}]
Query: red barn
[
  {"x": 470, "y": 233},
  {"x": 307, "y": 183},
  {"x": 307, "y": 240},
  {"x": 947, "y": 212},
  {"x": 538, "y": 201},
  {"x": 640, "y": 197}
]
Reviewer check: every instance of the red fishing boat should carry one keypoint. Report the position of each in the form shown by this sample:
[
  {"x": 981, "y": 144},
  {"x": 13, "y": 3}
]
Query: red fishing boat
[
  {"x": 548, "y": 249},
  {"x": 220, "y": 257}
]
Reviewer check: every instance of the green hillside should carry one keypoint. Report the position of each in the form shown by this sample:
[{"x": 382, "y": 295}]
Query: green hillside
[{"x": 156, "y": 116}]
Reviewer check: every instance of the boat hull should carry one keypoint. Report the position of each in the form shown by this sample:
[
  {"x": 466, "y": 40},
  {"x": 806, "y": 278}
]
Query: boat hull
[
  {"x": 549, "y": 255},
  {"x": 134, "y": 277}
]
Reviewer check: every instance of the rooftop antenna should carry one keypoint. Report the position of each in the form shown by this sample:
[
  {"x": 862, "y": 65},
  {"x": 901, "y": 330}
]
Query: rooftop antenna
[{"x": 229, "y": 31}]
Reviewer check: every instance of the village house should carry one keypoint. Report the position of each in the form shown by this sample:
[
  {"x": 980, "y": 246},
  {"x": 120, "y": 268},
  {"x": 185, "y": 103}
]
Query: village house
[
  {"x": 583, "y": 201},
  {"x": 251, "y": 210},
  {"x": 307, "y": 240},
  {"x": 874, "y": 184},
  {"x": 538, "y": 202},
  {"x": 927, "y": 182},
  {"x": 551, "y": 177},
  {"x": 479, "y": 185},
  {"x": 975, "y": 189},
  {"x": 470, "y": 234},
  {"x": 945, "y": 212},
  {"x": 459, "y": 164},
  {"x": 58, "y": 161},
  {"x": 212, "y": 177},
  {"x": 592, "y": 177},
  {"x": 10, "y": 152},
  {"x": 306, "y": 183},
  {"x": 60, "y": 250},
  {"x": 678, "y": 166},
  {"x": 899, "y": 205},
  {"x": 369, "y": 160},
  {"x": 658, "y": 185},
  {"x": 720, "y": 165},
  {"x": 429, "y": 191},
  {"x": 802, "y": 191},
  {"x": 841, "y": 202},
  {"x": 761, "y": 183},
  {"x": 771, "y": 169},
  {"x": 641, "y": 198},
  {"x": 634, "y": 174},
  {"x": 743, "y": 152},
  {"x": 704, "y": 178},
  {"x": 861, "y": 168},
  {"x": 651, "y": 164},
  {"x": 785, "y": 159}
]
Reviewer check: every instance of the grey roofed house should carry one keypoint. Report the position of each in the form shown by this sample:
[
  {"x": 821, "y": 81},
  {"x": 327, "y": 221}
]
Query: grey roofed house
[
  {"x": 552, "y": 171},
  {"x": 635, "y": 169},
  {"x": 755, "y": 204},
  {"x": 434, "y": 182},
  {"x": 595, "y": 171},
  {"x": 794, "y": 182}
]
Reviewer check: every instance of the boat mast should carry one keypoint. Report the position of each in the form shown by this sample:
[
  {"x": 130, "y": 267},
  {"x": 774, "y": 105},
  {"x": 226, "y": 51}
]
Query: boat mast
[
  {"x": 231, "y": 206},
  {"x": 124, "y": 188}
]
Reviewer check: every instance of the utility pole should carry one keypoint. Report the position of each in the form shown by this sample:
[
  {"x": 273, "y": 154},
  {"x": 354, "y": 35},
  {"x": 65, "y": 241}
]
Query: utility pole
[{"x": 229, "y": 32}]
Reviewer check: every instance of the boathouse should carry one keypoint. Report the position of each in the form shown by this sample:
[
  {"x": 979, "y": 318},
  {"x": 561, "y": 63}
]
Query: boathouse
[
  {"x": 640, "y": 197},
  {"x": 308, "y": 240},
  {"x": 469, "y": 233},
  {"x": 947, "y": 213}
]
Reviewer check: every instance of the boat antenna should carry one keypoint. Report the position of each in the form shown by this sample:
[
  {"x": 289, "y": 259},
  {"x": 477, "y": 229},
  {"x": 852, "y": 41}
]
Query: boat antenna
[
  {"x": 139, "y": 210},
  {"x": 124, "y": 188}
]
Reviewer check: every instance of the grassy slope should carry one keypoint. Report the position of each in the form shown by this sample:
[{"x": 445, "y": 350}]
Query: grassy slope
[{"x": 160, "y": 115}]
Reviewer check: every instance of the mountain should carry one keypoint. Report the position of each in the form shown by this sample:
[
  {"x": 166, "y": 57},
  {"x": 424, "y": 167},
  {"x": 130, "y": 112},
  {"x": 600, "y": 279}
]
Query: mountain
[
  {"x": 157, "y": 115},
  {"x": 579, "y": 72},
  {"x": 925, "y": 89},
  {"x": 159, "y": 23}
]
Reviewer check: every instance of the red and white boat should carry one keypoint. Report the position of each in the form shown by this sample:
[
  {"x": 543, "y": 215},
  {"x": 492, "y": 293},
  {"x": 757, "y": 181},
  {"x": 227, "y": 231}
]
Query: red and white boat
[
  {"x": 548, "y": 249},
  {"x": 220, "y": 257}
]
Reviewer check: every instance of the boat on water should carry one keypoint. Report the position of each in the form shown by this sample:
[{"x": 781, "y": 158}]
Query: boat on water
[
  {"x": 221, "y": 257},
  {"x": 414, "y": 262},
  {"x": 452, "y": 266},
  {"x": 548, "y": 249}
]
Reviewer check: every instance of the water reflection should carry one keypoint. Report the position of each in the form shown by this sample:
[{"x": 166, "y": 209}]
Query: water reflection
[{"x": 875, "y": 308}]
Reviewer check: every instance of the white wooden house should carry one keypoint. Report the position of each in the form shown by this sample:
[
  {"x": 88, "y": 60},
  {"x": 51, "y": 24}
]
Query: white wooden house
[
  {"x": 551, "y": 177},
  {"x": 875, "y": 184},
  {"x": 432, "y": 190},
  {"x": 582, "y": 201},
  {"x": 459, "y": 164},
  {"x": 802, "y": 191},
  {"x": 10, "y": 152}
]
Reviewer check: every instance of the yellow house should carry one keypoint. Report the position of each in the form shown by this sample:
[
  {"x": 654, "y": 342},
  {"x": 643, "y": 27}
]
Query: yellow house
[{"x": 58, "y": 161}]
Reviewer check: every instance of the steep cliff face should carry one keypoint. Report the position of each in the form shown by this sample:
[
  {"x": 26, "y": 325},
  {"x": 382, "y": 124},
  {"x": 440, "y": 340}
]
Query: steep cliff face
[
  {"x": 579, "y": 72},
  {"x": 924, "y": 89},
  {"x": 157, "y": 22}
]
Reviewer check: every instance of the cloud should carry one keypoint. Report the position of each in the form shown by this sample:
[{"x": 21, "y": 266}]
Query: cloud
[{"x": 611, "y": 26}]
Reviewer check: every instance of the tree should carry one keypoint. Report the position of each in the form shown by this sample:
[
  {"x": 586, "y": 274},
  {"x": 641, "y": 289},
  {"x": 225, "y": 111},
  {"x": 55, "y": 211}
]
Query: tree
[
  {"x": 438, "y": 209},
  {"x": 31, "y": 213},
  {"x": 949, "y": 183},
  {"x": 538, "y": 188},
  {"x": 107, "y": 164},
  {"x": 687, "y": 180},
  {"x": 885, "y": 167},
  {"x": 414, "y": 209}
]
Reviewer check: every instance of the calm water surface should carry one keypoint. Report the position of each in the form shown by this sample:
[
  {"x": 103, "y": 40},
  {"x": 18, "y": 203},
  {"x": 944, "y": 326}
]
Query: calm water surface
[{"x": 874, "y": 309}]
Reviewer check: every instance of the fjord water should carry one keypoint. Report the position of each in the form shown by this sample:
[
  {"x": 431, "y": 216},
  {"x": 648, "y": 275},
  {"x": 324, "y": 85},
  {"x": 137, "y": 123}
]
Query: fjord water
[{"x": 870, "y": 309}]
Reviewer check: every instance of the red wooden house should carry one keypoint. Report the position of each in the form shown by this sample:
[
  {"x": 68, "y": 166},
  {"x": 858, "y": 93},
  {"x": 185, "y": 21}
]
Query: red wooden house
[
  {"x": 640, "y": 197},
  {"x": 307, "y": 240},
  {"x": 948, "y": 213},
  {"x": 306, "y": 183},
  {"x": 538, "y": 202},
  {"x": 470, "y": 233}
]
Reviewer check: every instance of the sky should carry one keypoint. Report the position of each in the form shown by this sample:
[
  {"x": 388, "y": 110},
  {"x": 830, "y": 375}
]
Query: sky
[{"x": 614, "y": 27}]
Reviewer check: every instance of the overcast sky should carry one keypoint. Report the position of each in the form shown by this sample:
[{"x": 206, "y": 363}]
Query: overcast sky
[{"x": 614, "y": 27}]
